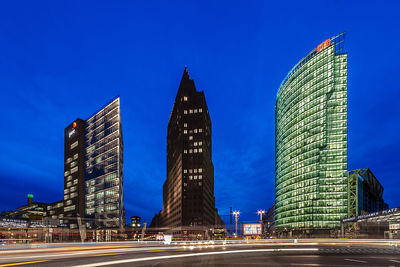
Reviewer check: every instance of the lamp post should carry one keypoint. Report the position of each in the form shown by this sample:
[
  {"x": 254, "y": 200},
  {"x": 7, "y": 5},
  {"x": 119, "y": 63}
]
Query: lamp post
[
  {"x": 261, "y": 212},
  {"x": 236, "y": 213}
]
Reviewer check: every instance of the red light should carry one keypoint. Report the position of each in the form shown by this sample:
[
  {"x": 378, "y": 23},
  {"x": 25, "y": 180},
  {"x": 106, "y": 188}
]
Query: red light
[{"x": 74, "y": 125}]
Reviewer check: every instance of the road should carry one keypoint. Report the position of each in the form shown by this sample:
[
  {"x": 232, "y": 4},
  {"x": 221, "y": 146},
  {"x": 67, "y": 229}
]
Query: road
[{"x": 311, "y": 252}]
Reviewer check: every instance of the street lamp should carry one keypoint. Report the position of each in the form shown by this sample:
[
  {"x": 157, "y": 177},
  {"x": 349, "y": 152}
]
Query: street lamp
[
  {"x": 261, "y": 212},
  {"x": 236, "y": 213}
]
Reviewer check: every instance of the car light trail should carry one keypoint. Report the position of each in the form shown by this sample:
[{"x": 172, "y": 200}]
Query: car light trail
[{"x": 194, "y": 255}]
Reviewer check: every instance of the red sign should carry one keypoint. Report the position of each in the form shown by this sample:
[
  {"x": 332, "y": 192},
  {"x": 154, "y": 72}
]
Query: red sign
[
  {"x": 73, "y": 125},
  {"x": 323, "y": 45}
]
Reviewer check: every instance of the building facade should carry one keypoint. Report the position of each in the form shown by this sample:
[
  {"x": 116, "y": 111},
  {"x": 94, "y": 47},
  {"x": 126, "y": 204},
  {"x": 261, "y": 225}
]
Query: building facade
[
  {"x": 188, "y": 192},
  {"x": 104, "y": 168},
  {"x": 311, "y": 141},
  {"x": 74, "y": 173},
  {"x": 365, "y": 193}
]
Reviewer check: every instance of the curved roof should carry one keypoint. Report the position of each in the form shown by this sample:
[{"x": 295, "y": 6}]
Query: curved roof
[{"x": 336, "y": 40}]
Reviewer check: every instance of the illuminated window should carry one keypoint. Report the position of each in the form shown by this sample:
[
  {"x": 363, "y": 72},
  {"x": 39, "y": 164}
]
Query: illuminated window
[
  {"x": 185, "y": 111},
  {"x": 190, "y": 111},
  {"x": 190, "y": 137},
  {"x": 74, "y": 144},
  {"x": 200, "y": 150},
  {"x": 200, "y": 110},
  {"x": 75, "y": 169},
  {"x": 185, "y": 98},
  {"x": 75, "y": 156},
  {"x": 185, "y": 125},
  {"x": 184, "y": 131},
  {"x": 200, "y": 130}
]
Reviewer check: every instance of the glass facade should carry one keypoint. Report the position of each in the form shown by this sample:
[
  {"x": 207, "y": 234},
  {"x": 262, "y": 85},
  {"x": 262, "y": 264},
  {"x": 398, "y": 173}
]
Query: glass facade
[
  {"x": 103, "y": 167},
  {"x": 311, "y": 140}
]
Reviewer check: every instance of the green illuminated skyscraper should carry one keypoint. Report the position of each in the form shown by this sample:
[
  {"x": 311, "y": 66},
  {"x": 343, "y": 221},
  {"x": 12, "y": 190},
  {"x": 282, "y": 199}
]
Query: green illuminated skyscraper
[{"x": 311, "y": 141}]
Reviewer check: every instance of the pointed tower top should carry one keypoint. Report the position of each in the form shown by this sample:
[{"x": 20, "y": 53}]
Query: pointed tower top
[{"x": 185, "y": 73}]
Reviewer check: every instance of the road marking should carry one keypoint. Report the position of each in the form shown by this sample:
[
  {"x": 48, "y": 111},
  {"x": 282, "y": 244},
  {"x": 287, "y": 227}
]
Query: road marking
[
  {"x": 21, "y": 263},
  {"x": 194, "y": 255},
  {"x": 108, "y": 254},
  {"x": 355, "y": 260},
  {"x": 395, "y": 261},
  {"x": 158, "y": 250},
  {"x": 306, "y": 264}
]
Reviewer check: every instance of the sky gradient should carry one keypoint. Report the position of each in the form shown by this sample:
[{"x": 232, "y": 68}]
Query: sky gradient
[{"x": 63, "y": 60}]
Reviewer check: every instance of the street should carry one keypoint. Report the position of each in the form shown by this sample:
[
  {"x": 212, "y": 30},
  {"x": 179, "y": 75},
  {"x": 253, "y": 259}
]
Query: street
[{"x": 327, "y": 252}]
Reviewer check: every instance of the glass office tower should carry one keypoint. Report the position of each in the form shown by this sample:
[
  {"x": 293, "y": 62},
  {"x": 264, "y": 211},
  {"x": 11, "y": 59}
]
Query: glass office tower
[
  {"x": 103, "y": 168},
  {"x": 311, "y": 141}
]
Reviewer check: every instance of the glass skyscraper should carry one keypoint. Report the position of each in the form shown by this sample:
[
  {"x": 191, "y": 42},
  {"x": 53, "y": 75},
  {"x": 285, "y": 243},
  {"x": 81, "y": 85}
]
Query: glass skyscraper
[
  {"x": 103, "y": 168},
  {"x": 311, "y": 141}
]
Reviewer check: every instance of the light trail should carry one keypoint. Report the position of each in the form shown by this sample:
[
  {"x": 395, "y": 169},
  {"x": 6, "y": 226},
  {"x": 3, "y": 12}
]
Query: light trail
[
  {"x": 193, "y": 255},
  {"x": 21, "y": 263}
]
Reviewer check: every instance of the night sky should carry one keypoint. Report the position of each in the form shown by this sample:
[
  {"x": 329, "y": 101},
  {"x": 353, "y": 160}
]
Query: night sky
[{"x": 63, "y": 60}]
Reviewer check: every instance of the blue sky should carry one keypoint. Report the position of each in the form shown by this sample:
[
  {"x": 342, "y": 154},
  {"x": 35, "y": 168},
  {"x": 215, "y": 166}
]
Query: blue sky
[{"x": 63, "y": 60}]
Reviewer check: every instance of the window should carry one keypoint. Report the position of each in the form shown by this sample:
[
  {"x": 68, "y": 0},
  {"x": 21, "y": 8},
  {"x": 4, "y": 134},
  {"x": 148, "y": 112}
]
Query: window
[
  {"x": 200, "y": 150},
  {"x": 76, "y": 156},
  {"x": 195, "y": 131},
  {"x": 74, "y": 144},
  {"x": 195, "y": 111},
  {"x": 190, "y": 170},
  {"x": 185, "y": 111},
  {"x": 200, "y": 170},
  {"x": 184, "y": 131},
  {"x": 184, "y": 171},
  {"x": 200, "y": 110},
  {"x": 200, "y": 177},
  {"x": 200, "y": 130},
  {"x": 184, "y": 151},
  {"x": 185, "y": 98},
  {"x": 185, "y": 125},
  {"x": 190, "y": 137},
  {"x": 195, "y": 150},
  {"x": 195, "y": 144},
  {"x": 69, "y": 208},
  {"x": 75, "y": 169},
  {"x": 190, "y": 151}
]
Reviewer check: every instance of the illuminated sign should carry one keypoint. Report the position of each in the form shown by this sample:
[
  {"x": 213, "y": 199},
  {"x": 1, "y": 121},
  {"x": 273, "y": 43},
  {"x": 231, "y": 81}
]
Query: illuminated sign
[
  {"x": 323, "y": 45},
  {"x": 394, "y": 226},
  {"x": 73, "y": 125},
  {"x": 251, "y": 229},
  {"x": 30, "y": 195}
]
